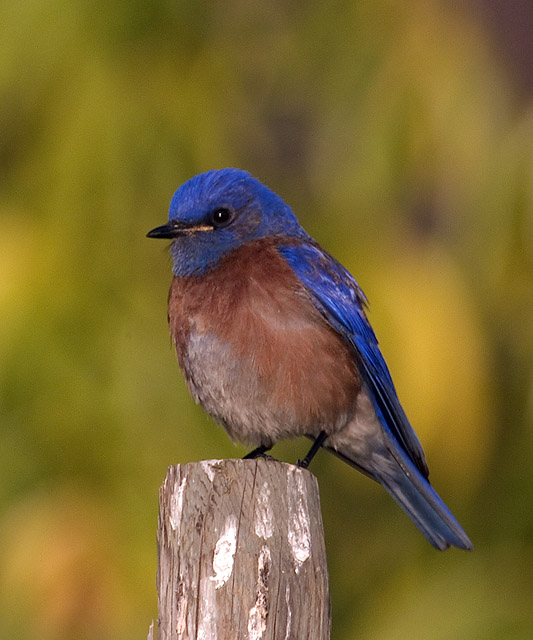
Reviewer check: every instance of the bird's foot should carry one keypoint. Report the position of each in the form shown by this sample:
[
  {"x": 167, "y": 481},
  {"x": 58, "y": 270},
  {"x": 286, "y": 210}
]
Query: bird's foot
[
  {"x": 319, "y": 441},
  {"x": 265, "y": 456},
  {"x": 258, "y": 452}
]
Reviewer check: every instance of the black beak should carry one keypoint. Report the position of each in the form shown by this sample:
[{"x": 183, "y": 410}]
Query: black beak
[{"x": 169, "y": 230}]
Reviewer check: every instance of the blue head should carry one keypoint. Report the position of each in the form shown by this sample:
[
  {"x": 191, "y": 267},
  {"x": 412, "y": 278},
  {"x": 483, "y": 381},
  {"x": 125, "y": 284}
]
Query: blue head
[{"x": 217, "y": 212}]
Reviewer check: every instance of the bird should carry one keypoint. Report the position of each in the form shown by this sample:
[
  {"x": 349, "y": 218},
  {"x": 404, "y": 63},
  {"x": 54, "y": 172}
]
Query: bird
[{"x": 272, "y": 336}]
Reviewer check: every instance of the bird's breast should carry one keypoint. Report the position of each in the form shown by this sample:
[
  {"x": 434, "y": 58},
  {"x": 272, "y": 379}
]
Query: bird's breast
[{"x": 256, "y": 353}]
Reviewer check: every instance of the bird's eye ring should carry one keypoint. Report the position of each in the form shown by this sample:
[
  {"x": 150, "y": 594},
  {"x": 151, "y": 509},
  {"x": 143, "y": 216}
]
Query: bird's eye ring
[{"x": 221, "y": 217}]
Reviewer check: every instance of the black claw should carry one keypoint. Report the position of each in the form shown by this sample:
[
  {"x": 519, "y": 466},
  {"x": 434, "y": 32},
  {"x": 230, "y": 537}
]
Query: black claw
[
  {"x": 258, "y": 452},
  {"x": 265, "y": 456}
]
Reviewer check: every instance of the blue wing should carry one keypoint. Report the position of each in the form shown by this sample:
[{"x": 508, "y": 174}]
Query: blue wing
[{"x": 340, "y": 300}]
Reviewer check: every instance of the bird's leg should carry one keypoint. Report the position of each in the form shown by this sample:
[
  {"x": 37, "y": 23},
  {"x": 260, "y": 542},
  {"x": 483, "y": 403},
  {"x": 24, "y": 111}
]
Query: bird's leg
[
  {"x": 258, "y": 452},
  {"x": 319, "y": 441}
]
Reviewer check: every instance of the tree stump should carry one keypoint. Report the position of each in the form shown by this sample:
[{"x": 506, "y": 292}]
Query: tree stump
[{"x": 241, "y": 553}]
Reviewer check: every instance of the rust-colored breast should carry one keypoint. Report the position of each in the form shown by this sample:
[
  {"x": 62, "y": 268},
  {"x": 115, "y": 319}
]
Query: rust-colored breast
[{"x": 256, "y": 352}]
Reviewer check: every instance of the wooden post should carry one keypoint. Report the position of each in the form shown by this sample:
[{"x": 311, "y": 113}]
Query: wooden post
[{"x": 241, "y": 553}]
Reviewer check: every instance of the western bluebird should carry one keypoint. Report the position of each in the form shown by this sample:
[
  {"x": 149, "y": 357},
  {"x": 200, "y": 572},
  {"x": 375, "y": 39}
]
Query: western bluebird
[{"x": 273, "y": 340}]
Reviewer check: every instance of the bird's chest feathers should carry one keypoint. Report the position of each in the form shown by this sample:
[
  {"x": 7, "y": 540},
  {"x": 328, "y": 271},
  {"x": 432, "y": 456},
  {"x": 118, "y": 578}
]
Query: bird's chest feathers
[
  {"x": 251, "y": 308},
  {"x": 248, "y": 338}
]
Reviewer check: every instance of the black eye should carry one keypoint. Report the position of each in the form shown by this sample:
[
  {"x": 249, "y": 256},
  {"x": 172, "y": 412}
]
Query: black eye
[{"x": 221, "y": 217}]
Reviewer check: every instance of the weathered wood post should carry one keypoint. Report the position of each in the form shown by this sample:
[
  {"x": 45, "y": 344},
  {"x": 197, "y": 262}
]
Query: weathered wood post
[{"x": 241, "y": 553}]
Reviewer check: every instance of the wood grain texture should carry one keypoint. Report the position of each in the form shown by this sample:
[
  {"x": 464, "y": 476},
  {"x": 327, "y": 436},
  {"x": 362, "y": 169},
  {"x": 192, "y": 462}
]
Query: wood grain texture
[{"x": 241, "y": 553}]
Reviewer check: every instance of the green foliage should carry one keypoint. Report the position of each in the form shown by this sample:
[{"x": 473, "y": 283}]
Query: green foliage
[{"x": 395, "y": 132}]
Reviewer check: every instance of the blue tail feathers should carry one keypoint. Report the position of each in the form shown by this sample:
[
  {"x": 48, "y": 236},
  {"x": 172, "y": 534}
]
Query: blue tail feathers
[
  {"x": 425, "y": 508},
  {"x": 417, "y": 498}
]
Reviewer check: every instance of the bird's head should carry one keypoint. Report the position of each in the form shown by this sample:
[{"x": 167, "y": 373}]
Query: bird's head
[{"x": 218, "y": 211}]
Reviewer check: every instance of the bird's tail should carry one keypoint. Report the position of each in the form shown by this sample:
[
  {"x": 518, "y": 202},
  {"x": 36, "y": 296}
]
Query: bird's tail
[{"x": 416, "y": 497}]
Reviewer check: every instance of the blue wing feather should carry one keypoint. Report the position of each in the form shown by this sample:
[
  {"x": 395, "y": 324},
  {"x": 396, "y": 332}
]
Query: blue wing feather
[{"x": 338, "y": 297}]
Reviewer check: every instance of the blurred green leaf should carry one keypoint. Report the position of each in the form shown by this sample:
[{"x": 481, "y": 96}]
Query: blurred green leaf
[{"x": 397, "y": 134}]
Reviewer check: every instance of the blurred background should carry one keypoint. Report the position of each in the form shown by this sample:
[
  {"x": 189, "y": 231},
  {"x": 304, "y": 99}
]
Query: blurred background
[{"x": 402, "y": 136}]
